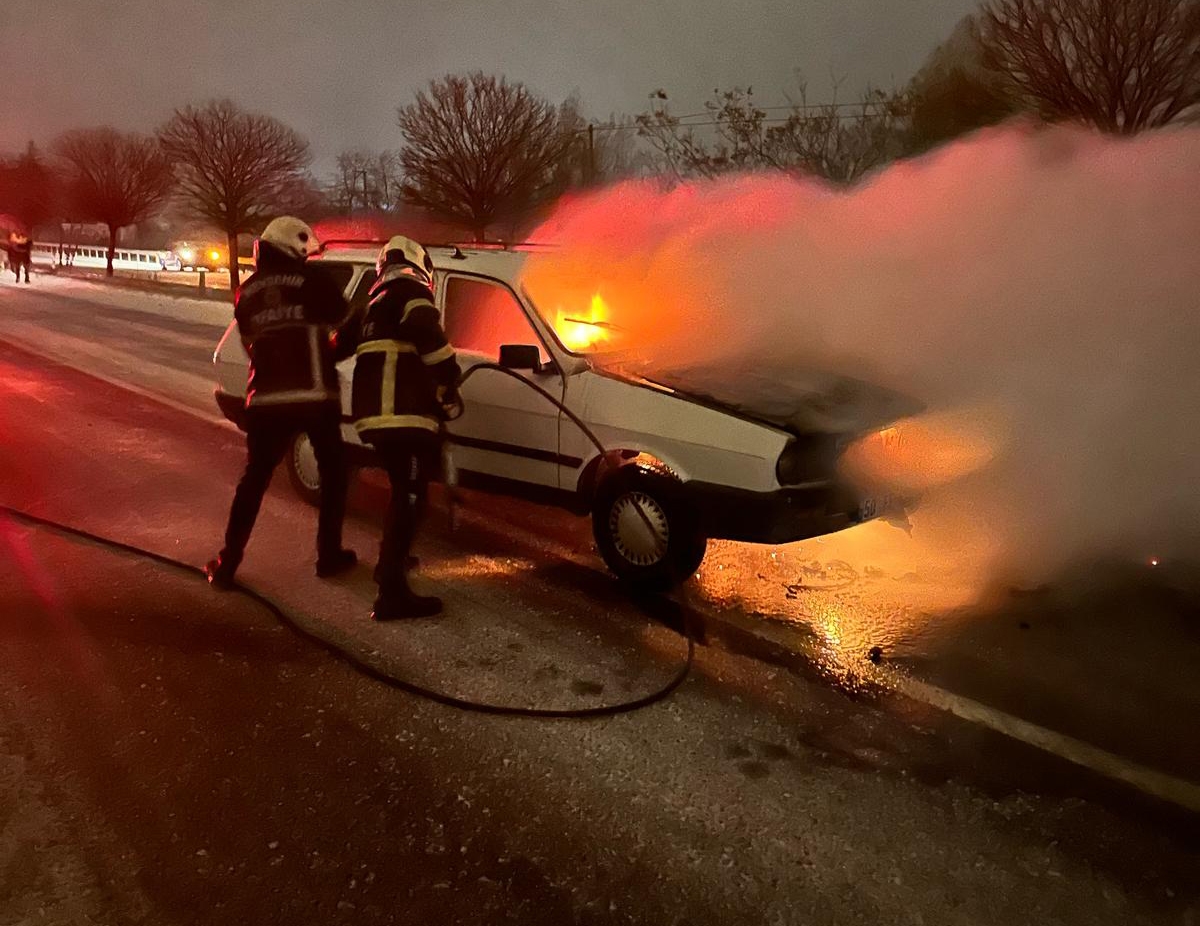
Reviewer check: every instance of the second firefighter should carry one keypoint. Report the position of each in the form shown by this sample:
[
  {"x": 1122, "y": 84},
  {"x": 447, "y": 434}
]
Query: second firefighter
[{"x": 405, "y": 387}]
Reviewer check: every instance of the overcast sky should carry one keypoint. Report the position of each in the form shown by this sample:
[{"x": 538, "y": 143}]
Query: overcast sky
[{"x": 337, "y": 69}]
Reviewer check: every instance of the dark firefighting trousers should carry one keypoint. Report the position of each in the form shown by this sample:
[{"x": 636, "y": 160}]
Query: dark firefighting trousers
[
  {"x": 411, "y": 458},
  {"x": 269, "y": 433},
  {"x": 18, "y": 263}
]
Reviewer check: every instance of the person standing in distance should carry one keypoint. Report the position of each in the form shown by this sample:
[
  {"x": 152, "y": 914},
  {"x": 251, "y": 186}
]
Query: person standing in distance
[
  {"x": 20, "y": 254},
  {"x": 405, "y": 385},
  {"x": 288, "y": 313}
]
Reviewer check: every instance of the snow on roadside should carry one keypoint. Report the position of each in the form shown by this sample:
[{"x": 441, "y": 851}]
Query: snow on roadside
[{"x": 163, "y": 304}]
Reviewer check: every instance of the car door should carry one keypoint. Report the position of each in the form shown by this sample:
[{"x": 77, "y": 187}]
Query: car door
[
  {"x": 358, "y": 296},
  {"x": 507, "y": 430}
]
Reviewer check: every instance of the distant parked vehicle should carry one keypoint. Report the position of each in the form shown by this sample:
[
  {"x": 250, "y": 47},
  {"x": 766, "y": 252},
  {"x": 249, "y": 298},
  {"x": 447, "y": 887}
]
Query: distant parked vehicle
[
  {"x": 95, "y": 257},
  {"x": 200, "y": 255}
]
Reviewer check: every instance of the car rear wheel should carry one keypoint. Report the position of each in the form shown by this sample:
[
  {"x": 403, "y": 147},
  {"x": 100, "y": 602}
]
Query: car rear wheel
[
  {"x": 302, "y": 469},
  {"x": 643, "y": 529}
]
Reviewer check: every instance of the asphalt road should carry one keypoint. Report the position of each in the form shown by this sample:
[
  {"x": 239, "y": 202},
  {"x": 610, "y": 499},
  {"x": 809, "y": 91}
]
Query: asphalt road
[
  {"x": 1104, "y": 656},
  {"x": 172, "y": 756}
]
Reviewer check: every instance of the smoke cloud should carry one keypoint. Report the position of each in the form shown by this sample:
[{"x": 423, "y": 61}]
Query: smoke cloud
[{"x": 1038, "y": 288}]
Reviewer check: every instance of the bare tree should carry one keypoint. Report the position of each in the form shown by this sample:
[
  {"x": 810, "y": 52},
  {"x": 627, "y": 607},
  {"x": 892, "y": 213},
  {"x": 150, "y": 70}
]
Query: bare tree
[
  {"x": 839, "y": 142},
  {"x": 236, "y": 169},
  {"x": 370, "y": 180},
  {"x": 29, "y": 188},
  {"x": 344, "y": 190},
  {"x": 597, "y": 153},
  {"x": 386, "y": 175},
  {"x": 478, "y": 148},
  {"x": 1120, "y": 65},
  {"x": 115, "y": 178},
  {"x": 954, "y": 92}
]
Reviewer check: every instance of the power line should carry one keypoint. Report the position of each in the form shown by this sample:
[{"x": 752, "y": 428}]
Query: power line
[
  {"x": 795, "y": 107},
  {"x": 870, "y": 109},
  {"x": 634, "y": 127}
]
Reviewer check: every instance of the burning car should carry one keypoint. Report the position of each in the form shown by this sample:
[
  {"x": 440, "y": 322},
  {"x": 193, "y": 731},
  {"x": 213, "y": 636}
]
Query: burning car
[{"x": 688, "y": 455}]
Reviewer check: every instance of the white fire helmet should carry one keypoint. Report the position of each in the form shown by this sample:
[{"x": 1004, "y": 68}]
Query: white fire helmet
[
  {"x": 404, "y": 252},
  {"x": 291, "y": 236}
]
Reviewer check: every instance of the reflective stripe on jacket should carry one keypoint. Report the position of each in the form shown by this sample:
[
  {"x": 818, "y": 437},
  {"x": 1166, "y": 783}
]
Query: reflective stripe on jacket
[
  {"x": 403, "y": 360},
  {"x": 287, "y": 312}
]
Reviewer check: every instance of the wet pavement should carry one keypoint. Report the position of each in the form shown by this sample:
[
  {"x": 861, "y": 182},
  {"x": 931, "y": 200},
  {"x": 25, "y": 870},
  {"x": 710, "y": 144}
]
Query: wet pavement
[
  {"x": 1103, "y": 653},
  {"x": 536, "y": 621}
]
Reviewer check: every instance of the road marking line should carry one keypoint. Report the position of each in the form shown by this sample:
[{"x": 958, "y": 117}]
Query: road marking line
[{"x": 1158, "y": 784}]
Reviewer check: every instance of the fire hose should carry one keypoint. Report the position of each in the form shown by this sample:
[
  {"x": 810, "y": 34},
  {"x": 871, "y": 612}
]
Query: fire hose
[{"x": 359, "y": 663}]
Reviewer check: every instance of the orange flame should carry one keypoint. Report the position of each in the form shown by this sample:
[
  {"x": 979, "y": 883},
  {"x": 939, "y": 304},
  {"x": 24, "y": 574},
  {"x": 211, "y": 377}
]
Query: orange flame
[{"x": 581, "y": 331}]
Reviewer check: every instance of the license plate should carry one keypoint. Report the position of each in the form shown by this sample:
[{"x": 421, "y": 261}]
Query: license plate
[{"x": 871, "y": 508}]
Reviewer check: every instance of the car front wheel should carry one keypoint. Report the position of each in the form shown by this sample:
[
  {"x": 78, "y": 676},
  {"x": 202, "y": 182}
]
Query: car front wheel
[
  {"x": 302, "y": 469},
  {"x": 643, "y": 528}
]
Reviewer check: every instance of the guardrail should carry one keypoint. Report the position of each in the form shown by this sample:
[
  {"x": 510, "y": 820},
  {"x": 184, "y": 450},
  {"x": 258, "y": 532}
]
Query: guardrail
[{"x": 193, "y": 284}]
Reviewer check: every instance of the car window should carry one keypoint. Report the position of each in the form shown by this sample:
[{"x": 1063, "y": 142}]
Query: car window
[
  {"x": 339, "y": 271},
  {"x": 481, "y": 316},
  {"x": 362, "y": 293}
]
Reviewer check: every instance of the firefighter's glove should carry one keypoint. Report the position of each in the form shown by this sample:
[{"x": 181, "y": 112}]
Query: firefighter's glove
[{"x": 451, "y": 402}]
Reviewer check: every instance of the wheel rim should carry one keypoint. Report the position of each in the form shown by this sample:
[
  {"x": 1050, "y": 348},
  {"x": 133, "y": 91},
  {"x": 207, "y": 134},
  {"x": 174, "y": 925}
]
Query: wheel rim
[
  {"x": 304, "y": 463},
  {"x": 639, "y": 529}
]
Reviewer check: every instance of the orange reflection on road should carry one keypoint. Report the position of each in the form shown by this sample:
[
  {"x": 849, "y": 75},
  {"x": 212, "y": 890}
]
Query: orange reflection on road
[{"x": 475, "y": 567}]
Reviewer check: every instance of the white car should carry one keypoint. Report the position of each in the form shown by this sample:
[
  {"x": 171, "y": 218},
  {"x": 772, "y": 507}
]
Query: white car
[{"x": 689, "y": 455}]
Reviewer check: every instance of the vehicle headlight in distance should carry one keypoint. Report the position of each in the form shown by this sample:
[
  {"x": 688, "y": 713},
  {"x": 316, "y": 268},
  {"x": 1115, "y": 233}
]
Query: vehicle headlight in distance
[{"x": 807, "y": 458}]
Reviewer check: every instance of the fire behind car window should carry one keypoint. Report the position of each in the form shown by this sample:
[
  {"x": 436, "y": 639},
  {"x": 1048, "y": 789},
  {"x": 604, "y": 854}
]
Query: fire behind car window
[
  {"x": 581, "y": 322},
  {"x": 481, "y": 317}
]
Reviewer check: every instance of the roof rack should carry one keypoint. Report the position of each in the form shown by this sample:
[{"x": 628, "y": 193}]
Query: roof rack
[
  {"x": 350, "y": 242},
  {"x": 494, "y": 245},
  {"x": 456, "y": 246}
]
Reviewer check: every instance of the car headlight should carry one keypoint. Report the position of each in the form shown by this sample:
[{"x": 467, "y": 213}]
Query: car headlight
[{"x": 808, "y": 458}]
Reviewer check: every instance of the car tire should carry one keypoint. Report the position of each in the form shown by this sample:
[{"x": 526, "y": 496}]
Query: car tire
[
  {"x": 301, "y": 464},
  {"x": 643, "y": 529}
]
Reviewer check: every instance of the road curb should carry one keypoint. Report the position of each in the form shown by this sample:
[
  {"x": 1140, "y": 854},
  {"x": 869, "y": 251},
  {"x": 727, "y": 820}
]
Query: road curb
[{"x": 136, "y": 284}]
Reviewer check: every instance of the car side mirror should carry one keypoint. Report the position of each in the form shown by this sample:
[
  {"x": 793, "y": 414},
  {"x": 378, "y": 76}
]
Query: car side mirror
[{"x": 520, "y": 357}]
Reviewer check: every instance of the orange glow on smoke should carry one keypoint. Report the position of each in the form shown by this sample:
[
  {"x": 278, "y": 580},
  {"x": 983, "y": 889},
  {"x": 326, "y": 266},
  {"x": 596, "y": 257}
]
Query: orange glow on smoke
[
  {"x": 923, "y": 452},
  {"x": 652, "y": 253}
]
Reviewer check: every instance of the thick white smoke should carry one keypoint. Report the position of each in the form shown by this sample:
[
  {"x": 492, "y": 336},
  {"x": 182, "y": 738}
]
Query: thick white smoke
[{"x": 1038, "y": 288}]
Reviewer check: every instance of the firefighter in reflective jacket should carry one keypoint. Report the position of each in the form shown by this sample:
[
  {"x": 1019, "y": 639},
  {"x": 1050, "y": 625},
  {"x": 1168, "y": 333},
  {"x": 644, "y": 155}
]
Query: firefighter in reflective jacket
[
  {"x": 287, "y": 314},
  {"x": 405, "y": 386}
]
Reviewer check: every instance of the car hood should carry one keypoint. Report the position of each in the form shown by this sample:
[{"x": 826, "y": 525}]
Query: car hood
[{"x": 795, "y": 400}]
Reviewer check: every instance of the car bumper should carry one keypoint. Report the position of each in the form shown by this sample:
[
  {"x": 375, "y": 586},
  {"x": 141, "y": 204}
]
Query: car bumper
[
  {"x": 232, "y": 407},
  {"x": 782, "y": 516}
]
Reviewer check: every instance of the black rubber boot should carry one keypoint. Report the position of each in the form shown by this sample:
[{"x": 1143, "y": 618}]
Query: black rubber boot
[
  {"x": 405, "y": 606},
  {"x": 409, "y": 565},
  {"x": 335, "y": 565},
  {"x": 220, "y": 574}
]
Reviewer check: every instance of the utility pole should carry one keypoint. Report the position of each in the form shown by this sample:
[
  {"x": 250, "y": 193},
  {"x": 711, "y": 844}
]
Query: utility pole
[
  {"x": 591, "y": 153},
  {"x": 366, "y": 199}
]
